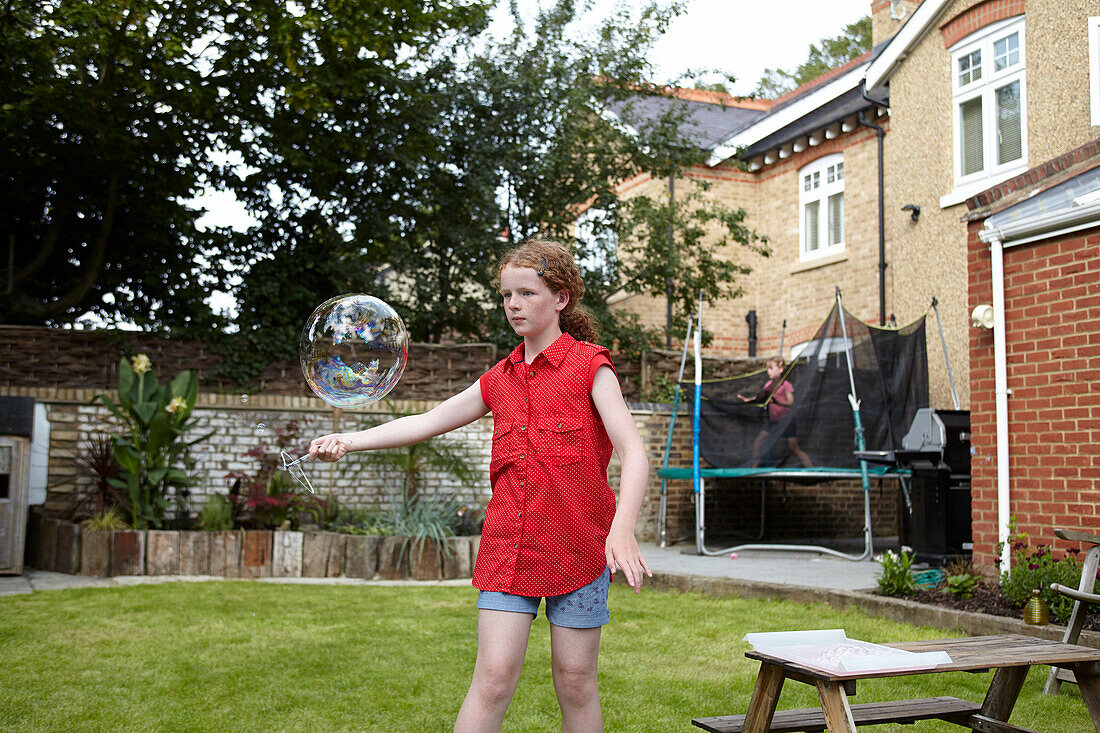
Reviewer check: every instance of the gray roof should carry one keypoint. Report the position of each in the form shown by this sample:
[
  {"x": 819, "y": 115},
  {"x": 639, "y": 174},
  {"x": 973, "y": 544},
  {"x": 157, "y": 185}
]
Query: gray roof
[{"x": 704, "y": 124}]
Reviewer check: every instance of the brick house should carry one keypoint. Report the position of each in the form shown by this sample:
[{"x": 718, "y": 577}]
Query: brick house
[
  {"x": 1034, "y": 269},
  {"x": 980, "y": 104},
  {"x": 991, "y": 102},
  {"x": 809, "y": 168}
]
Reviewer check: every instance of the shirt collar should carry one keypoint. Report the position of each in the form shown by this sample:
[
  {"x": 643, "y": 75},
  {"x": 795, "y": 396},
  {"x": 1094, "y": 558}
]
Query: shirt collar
[{"x": 554, "y": 353}]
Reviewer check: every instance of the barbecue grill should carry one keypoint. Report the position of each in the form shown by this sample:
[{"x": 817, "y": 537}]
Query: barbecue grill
[{"x": 936, "y": 452}]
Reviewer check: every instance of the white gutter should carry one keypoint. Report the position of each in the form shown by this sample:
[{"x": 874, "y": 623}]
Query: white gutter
[
  {"x": 774, "y": 122},
  {"x": 1000, "y": 386}
]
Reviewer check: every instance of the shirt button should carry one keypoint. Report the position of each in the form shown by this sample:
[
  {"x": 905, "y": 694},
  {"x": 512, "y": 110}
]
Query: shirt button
[
  {"x": 515, "y": 545},
  {"x": 521, "y": 484},
  {"x": 520, "y": 514},
  {"x": 522, "y": 427},
  {"x": 521, "y": 455},
  {"x": 559, "y": 426}
]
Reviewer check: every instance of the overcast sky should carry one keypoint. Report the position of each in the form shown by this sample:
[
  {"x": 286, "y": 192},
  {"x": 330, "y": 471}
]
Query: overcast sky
[{"x": 744, "y": 37}]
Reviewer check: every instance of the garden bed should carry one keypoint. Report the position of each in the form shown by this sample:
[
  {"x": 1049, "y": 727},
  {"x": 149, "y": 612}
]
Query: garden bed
[{"x": 65, "y": 547}]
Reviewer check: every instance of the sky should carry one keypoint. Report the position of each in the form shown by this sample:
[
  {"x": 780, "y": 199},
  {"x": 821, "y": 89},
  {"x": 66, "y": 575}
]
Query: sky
[{"x": 745, "y": 37}]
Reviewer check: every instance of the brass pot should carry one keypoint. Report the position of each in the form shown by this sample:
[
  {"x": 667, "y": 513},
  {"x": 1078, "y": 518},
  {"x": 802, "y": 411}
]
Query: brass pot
[{"x": 1036, "y": 611}]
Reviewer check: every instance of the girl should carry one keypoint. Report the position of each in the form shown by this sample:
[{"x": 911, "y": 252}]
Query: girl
[{"x": 552, "y": 528}]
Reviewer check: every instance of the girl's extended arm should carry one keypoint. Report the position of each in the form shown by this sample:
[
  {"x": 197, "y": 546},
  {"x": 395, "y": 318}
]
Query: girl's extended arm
[
  {"x": 462, "y": 409},
  {"x": 621, "y": 546}
]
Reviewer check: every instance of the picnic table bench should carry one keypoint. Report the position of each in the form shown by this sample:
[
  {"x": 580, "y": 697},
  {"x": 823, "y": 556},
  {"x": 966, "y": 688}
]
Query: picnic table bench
[{"x": 1011, "y": 655}]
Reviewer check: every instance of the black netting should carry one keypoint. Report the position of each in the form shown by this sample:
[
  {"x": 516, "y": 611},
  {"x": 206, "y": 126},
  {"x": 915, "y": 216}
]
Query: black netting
[{"x": 890, "y": 371}]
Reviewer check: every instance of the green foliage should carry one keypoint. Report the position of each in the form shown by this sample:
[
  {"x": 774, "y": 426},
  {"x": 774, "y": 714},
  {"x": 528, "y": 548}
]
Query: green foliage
[
  {"x": 217, "y": 514},
  {"x": 830, "y": 54},
  {"x": 1034, "y": 568},
  {"x": 115, "y": 116},
  {"x": 897, "y": 573},
  {"x": 107, "y": 519},
  {"x": 667, "y": 246},
  {"x": 962, "y": 585},
  {"x": 661, "y": 389},
  {"x": 148, "y": 451}
]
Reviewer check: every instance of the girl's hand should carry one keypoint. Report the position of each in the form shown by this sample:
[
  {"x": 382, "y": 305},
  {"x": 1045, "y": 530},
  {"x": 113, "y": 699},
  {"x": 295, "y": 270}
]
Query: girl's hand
[
  {"x": 329, "y": 447},
  {"x": 623, "y": 554}
]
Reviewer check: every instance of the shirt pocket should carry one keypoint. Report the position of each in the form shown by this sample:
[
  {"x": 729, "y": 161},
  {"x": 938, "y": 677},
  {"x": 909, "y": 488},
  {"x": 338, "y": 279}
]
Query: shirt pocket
[
  {"x": 561, "y": 439},
  {"x": 507, "y": 446}
]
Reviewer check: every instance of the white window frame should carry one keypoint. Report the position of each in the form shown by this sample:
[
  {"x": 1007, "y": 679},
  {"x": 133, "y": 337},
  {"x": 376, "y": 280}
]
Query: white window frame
[
  {"x": 821, "y": 189},
  {"x": 1094, "y": 69},
  {"x": 986, "y": 87}
]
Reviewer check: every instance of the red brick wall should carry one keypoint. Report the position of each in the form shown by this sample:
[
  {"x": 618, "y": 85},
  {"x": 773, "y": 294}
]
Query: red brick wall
[
  {"x": 978, "y": 17},
  {"x": 1052, "y": 314}
]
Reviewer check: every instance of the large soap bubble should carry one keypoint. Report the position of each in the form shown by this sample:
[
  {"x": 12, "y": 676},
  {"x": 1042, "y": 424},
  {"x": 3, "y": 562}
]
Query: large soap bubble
[{"x": 353, "y": 350}]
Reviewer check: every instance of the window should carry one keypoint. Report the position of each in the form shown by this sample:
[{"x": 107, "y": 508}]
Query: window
[
  {"x": 1094, "y": 69},
  {"x": 989, "y": 91},
  {"x": 821, "y": 200}
]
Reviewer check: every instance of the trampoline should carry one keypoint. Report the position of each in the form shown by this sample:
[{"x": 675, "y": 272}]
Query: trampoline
[{"x": 856, "y": 387}]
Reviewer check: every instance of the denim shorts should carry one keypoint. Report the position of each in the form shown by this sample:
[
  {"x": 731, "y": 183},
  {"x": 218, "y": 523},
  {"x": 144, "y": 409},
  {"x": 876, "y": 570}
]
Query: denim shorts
[{"x": 584, "y": 608}]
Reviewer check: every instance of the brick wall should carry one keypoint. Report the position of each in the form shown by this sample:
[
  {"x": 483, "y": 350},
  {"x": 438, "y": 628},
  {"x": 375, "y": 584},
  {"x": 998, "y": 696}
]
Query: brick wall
[{"x": 1052, "y": 314}]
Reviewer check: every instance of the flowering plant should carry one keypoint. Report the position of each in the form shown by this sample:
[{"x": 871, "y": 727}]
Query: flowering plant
[
  {"x": 150, "y": 446},
  {"x": 1035, "y": 568},
  {"x": 897, "y": 573}
]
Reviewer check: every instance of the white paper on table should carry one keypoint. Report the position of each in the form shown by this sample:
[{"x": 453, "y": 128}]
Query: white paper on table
[{"x": 830, "y": 650}]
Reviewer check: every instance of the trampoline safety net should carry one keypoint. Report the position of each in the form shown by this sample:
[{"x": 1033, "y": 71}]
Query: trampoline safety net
[{"x": 890, "y": 370}]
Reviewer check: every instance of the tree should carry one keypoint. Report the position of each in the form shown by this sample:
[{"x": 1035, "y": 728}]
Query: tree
[
  {"x": 115, "y": 114},
  {"x": 831, "y": 53},
  {"x": 665, "y": 249}
]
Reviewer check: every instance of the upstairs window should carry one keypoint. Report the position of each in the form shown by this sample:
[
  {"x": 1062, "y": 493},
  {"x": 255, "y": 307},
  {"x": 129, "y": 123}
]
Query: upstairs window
[
  {"x": 989, "y": 83},
  {"x": 821, "y": 201}
]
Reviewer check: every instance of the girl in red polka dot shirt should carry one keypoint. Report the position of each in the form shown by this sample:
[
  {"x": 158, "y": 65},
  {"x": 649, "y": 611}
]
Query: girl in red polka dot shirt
[{"x": 553, "y": 529}]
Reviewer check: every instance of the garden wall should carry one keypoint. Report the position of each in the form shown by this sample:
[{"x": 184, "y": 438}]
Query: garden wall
[
  {"x": 66, "y": 547},
  {"x": 71, "y": 367}
]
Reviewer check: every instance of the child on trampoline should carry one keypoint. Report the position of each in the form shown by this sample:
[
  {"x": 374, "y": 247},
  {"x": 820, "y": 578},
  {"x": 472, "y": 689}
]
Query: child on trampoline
[
  {"x": 779, "y": 395},
  {"x": 552, "y": 528}
]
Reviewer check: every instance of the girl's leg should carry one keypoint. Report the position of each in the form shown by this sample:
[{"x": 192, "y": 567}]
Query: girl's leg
[
  {"x": 574, "y": 654},
  {"x": 792, "y": 443},
  {"x": 501, "y": 645}
]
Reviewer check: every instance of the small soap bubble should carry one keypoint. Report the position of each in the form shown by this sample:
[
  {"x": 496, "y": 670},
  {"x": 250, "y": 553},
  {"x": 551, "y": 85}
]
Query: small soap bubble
[
  {"x": 261, "y": 427},
  {"x": 353, "y": 350},
  {"x": 244, "y": 398}
]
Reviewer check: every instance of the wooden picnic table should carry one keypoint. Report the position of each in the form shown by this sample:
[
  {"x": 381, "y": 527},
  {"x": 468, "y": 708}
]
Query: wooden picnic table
[{"x": 1011, "y": 655}]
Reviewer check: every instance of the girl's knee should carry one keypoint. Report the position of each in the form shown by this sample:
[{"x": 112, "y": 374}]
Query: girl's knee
[
  {"x": 575, "y": 685},
  {"x": 495, "y": 683}
]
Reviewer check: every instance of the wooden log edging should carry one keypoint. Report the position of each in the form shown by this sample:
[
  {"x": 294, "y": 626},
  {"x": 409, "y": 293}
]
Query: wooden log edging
[
  {"x": 893, "y": 609},
  {"x": 69, "y": 548}
]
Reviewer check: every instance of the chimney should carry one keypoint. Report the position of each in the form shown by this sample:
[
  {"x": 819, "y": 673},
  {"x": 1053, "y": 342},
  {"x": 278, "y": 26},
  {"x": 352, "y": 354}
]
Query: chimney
[{"x": 888, "y": 16}]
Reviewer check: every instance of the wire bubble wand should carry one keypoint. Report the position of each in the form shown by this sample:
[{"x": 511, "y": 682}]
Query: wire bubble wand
[{"x": 293, "y": 466}]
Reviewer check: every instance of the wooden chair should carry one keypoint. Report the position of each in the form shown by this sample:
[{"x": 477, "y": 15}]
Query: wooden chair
[{"x": 1082, "y": 595}]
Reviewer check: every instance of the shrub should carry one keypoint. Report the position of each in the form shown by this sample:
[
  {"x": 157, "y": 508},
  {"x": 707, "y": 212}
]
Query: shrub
[
  {"x": 106, "y": 519},
  {"x": 149, "y": 449},
  {"x": 1034, "y": 568},
  {"x": 962, "y": 585},
  {"x": 216, "y": 514},
  {"x": 897, "y": 573},
  {"x": 270, "y": 498}
]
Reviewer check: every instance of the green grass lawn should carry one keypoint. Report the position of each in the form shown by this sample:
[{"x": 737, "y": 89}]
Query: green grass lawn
[{"x": 248, "y": 656}]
